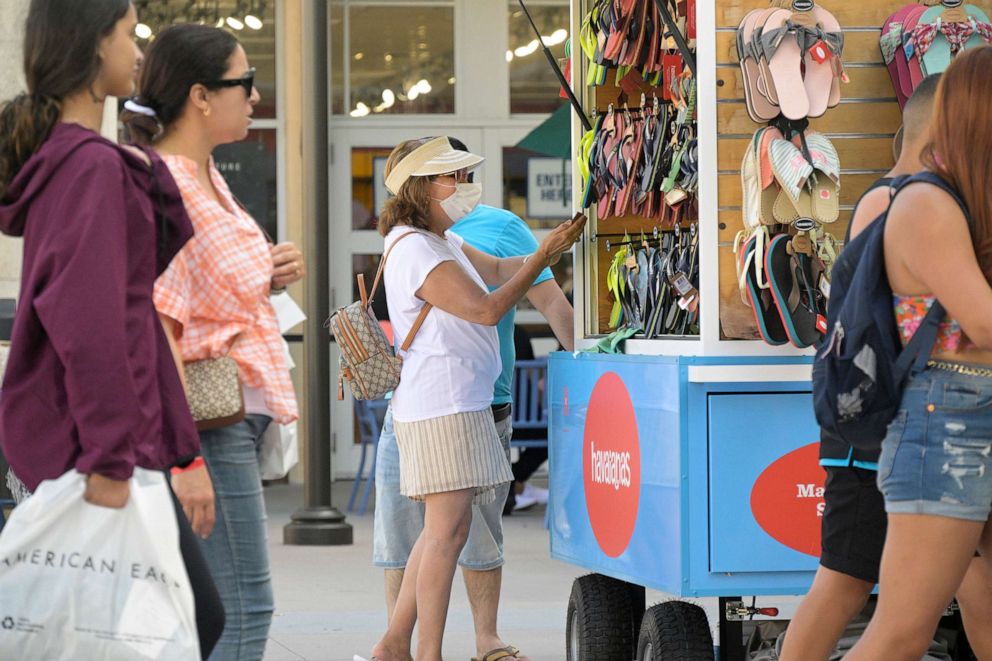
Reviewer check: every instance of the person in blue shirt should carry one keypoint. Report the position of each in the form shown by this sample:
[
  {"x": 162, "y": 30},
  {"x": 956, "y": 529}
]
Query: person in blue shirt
[{"x": 399, "y": 520}]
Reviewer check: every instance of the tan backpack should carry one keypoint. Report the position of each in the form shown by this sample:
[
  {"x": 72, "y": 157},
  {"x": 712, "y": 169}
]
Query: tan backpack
[{"x": 368, "y": 362}]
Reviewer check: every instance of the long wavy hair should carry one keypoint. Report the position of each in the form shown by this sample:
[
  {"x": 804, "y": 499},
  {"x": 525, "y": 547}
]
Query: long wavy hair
[
  {"x": 411, "y": 204},
  {"x": 960, "y": 148},
  {"x": 61, "y": 39}
]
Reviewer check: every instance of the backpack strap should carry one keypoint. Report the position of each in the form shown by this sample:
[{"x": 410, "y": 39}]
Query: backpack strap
[
  {"x": 915, "y": 355},
  {"x": 419, "y": 321}
]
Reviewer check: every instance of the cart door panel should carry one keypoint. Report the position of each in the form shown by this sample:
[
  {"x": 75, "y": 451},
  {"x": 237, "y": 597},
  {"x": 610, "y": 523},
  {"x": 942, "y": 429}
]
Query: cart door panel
[{"x": 765, "y": 482}]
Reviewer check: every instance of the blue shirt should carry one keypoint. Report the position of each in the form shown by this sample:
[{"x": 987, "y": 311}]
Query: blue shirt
[{"x": 501, "y": 234}]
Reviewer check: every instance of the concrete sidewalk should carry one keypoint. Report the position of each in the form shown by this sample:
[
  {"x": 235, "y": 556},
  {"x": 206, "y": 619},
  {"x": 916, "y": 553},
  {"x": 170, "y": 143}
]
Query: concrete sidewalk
[{"x": 330, "y": 604}]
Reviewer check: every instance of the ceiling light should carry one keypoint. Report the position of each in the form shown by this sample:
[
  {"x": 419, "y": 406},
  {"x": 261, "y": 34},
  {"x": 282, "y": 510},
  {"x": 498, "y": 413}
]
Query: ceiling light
[
  {"x": 524, "y": 51},
  {"x": 557, "y": 37},
  {"x": 254, "y": 22},
  {"x": 388, "y": 98},
  {"x": 388, "y": 57},
  {"x": 509, "y": 56},
  {"x": 424, "y": 86},
  {"x": 361, "y": 110},
  {"x": 234, "y": 23},
  {"x": 219, "y": 23},
  {"x": 142, "y": 31},
  {"x": 359, "y": 56},
  {"x": 413, "y": 93},
  {"x": 451, "y": 81}
]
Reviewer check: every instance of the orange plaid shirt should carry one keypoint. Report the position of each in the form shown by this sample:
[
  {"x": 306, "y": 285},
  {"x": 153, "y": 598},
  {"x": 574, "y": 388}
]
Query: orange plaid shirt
[{"x": 217, "y": 290}]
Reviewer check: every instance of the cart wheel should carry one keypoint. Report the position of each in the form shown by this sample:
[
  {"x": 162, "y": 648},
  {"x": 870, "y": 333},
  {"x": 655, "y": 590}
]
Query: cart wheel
[
  {"x": 675, "y": 630},
  {"x": 598, "y": 627}
]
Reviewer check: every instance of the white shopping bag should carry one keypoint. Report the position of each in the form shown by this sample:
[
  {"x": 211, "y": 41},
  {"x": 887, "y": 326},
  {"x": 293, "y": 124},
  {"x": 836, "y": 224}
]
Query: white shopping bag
[
  {"x": 79, "y": 581},
  {"x": 279, "y": 451}
]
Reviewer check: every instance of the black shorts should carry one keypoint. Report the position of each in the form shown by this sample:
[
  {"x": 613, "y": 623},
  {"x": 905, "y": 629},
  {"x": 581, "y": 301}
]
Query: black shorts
[{"x": 854, "y": 523}]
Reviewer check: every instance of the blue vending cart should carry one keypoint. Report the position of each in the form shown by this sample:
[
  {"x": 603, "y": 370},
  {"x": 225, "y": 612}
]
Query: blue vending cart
[
  {"x": 686, "y": 462},
  {"x": 690, "y": 475}
]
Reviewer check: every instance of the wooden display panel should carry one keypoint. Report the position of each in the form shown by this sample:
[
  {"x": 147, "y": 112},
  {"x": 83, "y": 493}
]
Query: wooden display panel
[{"x": 862, "y": 127}]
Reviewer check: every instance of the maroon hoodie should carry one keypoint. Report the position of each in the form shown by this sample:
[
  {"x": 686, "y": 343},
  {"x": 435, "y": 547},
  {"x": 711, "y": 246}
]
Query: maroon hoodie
[{"x": 90, "y": 382}]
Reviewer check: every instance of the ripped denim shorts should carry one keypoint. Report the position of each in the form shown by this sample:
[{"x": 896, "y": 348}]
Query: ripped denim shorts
[{"x": 937, "y": 456}]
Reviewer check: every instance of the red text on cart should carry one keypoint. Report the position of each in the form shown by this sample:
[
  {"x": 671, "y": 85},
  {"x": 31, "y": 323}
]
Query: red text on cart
[{"x": 612, "y": 464}]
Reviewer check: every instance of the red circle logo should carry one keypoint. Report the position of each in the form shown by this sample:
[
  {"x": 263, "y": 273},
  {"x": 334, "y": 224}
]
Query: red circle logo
[
  {"x": 611, "y": 465},
  {"x": 787, "y": 499}
]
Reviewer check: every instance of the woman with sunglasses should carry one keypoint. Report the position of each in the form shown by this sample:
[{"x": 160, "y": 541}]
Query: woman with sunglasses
[{"x": 195, "y": 93}]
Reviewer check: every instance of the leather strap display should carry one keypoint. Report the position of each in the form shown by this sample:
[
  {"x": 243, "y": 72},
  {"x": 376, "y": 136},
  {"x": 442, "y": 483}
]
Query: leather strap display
[{"x": 375, "y": 287}]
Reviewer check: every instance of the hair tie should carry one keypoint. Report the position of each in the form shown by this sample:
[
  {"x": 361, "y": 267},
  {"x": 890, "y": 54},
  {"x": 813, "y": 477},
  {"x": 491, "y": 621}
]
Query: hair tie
[{"x": 134, "y": 106}]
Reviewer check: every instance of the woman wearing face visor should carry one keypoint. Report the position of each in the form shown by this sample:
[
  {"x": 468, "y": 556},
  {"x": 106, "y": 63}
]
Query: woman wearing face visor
[{"x": 450, "y": 454}]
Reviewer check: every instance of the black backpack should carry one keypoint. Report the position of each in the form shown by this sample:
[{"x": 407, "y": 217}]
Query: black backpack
[{"x": 862, "y": 367}]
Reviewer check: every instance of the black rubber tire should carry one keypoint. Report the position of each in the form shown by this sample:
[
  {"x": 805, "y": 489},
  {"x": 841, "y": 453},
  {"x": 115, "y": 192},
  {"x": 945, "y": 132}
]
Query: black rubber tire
[
  {"x": 598, "y": 626},
  {"x": 675, "y": 631}
]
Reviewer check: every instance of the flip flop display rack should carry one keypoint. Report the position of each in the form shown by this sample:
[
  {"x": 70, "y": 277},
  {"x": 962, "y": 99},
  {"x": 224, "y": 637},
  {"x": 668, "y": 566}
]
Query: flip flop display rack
[
  {"x": 920, "y": 40},
  {"x": 682, "y": 441},
  {"x": 640, "y": 166},
  {"x": 791, "y": 69}
]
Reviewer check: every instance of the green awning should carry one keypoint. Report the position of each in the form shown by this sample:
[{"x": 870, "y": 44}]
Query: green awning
[{"x": 553, "y": 137}]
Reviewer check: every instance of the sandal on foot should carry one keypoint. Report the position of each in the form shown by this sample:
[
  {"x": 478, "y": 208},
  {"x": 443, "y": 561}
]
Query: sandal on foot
[{"x": 507, "y": 652}]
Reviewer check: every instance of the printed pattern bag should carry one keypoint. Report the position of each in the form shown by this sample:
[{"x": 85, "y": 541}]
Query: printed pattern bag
[
  {"x": 214, "y": 392},
  {"x": 368, "y": 362}
]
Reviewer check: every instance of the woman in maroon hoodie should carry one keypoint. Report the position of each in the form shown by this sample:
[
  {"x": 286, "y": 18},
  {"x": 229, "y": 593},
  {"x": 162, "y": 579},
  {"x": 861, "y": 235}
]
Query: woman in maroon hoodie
[{"x": 91, "y": 383}]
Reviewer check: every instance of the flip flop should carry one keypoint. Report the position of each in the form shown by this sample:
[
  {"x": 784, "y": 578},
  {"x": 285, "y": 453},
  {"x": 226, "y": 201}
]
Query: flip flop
[
  {"x": 769, "y": 187},
  {"x": 819, "y": 58},
  {"x": 902, "y": 62},
  {"x": 915, "y": 64},
  {"x": 893, "y": 54},
  {"x": 766, "y": 318},
  {"x": 792, "y": 172},
  {"x": 508, "y": 652},
  {"x": 759, "y": 107},
  {"x": 936, "y": 45},
  {"x": 751, "y": 184},
  {"x": 825, "y": 198},
  {"x": 781, "y": 47},
  {"x": 766, "y": 84},
  {"x": 794, "y": 293}
]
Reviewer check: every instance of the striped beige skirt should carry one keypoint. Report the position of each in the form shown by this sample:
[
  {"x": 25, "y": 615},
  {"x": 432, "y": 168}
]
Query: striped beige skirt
[{"x": 450, "y": 453}]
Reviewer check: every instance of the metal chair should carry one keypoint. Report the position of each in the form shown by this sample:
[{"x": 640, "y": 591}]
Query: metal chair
[
  {"x": 530, "y": 409},
  {"x": 370, "y": 414}
]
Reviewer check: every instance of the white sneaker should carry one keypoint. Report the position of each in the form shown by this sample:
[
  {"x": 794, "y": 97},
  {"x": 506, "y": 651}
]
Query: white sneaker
[
  {"x": 524, "y": 502},
  {"x": 539, "y": 494}
]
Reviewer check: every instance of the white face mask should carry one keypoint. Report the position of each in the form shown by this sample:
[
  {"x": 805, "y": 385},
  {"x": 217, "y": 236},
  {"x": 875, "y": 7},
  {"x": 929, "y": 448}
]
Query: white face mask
[{"x": 464, "y": 200}]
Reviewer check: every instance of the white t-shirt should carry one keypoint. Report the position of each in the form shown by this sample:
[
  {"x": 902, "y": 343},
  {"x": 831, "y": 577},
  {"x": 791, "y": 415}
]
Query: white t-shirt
[{"x": 452, "y": 365}]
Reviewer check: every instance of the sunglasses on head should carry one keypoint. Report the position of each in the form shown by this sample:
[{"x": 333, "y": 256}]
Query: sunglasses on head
[{"x": 246, "y": 82}]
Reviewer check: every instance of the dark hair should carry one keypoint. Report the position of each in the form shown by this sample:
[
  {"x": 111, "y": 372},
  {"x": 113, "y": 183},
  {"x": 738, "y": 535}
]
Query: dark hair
[
  {"x": 919, "y": 109},
  {"x": 61, "y": 38},
  {"x": 181, "y": 56}
]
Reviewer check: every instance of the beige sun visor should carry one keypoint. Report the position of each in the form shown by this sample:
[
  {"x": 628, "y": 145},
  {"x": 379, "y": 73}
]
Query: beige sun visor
[{"x": 432, "y": 158}]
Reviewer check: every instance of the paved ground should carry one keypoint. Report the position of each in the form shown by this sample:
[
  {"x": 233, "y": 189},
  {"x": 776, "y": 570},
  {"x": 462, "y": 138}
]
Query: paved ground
[{"x": 329, "y": 602}]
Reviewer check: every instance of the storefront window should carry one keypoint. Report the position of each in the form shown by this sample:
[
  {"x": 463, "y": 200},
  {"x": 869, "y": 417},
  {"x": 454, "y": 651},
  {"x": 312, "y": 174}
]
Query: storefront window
[
  {"x": 368, "y": 187},
  {"x": 253, "y": 22},
  {"x": 400, "y": 59},
  {"x": 250, "y": 170},
  {"x": 533, "y": 85}
]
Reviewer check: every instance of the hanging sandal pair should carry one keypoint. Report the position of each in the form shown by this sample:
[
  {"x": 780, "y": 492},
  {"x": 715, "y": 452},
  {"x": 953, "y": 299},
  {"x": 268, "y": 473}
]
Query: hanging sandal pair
[
  {"x": 919, "y": 41},
  {"x": 790, "y": 62}
]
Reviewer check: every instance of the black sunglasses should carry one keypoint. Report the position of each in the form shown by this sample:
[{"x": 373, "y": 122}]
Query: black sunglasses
[{"x": 246, "y": 82}]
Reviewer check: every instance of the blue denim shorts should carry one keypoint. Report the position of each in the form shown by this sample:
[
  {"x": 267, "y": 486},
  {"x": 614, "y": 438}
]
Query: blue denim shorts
[
  {"x": 937, "y": 456},
  {"x": 399, "y": 520}
]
